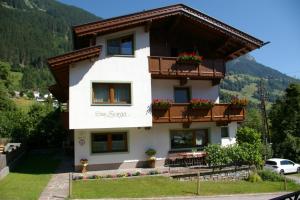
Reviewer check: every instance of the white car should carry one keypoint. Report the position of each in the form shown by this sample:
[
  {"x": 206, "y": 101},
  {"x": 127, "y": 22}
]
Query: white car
[{"x": 282, "y": 166}]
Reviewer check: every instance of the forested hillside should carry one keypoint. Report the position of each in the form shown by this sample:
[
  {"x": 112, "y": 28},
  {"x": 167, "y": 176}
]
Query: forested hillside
[
  {"x": 244, "y": 75},
  {"x": 32, "y": 31}
]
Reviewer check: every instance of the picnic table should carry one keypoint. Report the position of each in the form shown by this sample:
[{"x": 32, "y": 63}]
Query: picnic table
[{"x": 187, "y": 158}]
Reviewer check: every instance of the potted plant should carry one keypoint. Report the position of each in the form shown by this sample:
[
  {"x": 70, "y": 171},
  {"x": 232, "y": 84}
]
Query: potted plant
[
  {"x": 151, "y": 157},
  {"x": 197, "y": 103},
  {"x": 161, "y": 104},
  {"x": 84, "y": 163},
  {"x": 189, "y": 58},
  {"x": 238, "y": 103}
]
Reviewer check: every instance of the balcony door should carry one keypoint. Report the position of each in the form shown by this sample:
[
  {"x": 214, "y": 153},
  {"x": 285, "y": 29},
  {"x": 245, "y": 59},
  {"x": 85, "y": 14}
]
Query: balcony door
[{"x": 181, "y": 94}]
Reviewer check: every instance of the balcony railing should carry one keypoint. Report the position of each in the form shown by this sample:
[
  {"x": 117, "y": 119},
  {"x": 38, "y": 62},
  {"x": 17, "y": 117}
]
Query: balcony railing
[
  {"x": 181, "y": 113},
  {"x": 166, "y": 67}
]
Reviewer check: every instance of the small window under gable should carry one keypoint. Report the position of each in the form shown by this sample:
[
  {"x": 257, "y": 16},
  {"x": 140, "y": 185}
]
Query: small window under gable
[{"x": 121, "y": 46}]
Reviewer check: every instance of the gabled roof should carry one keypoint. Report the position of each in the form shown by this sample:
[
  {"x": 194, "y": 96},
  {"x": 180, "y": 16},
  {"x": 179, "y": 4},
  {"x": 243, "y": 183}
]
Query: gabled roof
[
  {"x": 59, "y": 66},
  {"x": 140, "y": 18},
  {"x": 74, "y": 56}
]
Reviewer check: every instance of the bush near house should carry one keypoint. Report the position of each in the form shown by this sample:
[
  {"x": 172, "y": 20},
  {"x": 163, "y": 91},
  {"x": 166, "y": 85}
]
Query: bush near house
[{"x": 38, "y": 126}]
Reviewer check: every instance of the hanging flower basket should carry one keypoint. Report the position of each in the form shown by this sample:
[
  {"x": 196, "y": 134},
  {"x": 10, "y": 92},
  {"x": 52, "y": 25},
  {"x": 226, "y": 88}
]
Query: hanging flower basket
[
  {"x": 238, "y": 103},
  {"x": 201, "y": 104},
  {"x": 161, "y": 104},
  {"x": 186, "y": 58}
]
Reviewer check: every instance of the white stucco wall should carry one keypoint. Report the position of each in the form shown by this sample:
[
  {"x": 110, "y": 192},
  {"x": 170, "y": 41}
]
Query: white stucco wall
[
  {"x": 164, "y": 89},
  {"x": 232, "y": 134},
  {"x": 139, "y": 140},
  {"x": 132, "y": 69}
]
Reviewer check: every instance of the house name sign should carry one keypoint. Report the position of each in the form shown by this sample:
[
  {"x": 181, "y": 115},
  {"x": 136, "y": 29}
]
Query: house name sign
[{"x": 112, "y": 114}]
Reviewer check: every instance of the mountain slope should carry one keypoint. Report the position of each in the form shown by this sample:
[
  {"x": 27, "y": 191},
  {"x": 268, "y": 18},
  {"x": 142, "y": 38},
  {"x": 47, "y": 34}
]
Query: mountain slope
[
  {"x": 244, "y": 75},
  {"x": 33, "y": 30}
]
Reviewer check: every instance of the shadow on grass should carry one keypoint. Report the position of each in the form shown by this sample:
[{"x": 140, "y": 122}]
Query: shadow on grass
[{"x": 34, "y": 162}]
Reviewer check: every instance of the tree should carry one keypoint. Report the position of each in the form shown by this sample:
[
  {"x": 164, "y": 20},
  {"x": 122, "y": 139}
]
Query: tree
[
  {"x": 248, "y": 135},
  {"x": 285, "y": 124},
  {"x": 250, "y": 142},
  {"x": 253, "y": 119}
]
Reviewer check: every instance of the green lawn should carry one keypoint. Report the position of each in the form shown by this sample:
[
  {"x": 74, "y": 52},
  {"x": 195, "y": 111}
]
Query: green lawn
[
  {"x": 30, "y": 177},
  {"x": 163, "y": 186}
]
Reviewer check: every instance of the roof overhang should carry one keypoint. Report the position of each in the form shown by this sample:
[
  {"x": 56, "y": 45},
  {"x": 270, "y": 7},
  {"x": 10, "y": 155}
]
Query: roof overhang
[
  {"x": 146, "y": 17},
  {"x": 59, "y": 66}
]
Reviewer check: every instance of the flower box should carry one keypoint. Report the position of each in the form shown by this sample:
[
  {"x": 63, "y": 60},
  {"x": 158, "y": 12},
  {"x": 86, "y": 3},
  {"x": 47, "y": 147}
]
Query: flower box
[
  {"x": 201, "y": 104},
  {"x": 238, "y": 103},
  {"x": 189, "y": 59},
  {"x": 161, "y": 104}
]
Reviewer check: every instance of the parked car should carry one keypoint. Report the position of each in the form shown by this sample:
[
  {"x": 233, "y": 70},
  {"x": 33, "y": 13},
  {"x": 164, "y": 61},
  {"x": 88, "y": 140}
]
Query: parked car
[{"x": 282, "y": 166}]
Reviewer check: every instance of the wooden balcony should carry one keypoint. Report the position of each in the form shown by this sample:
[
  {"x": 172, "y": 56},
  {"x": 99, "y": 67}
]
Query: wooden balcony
[
  {"x": 181, "y": 113},
  {"x": 166, "y": 67}
]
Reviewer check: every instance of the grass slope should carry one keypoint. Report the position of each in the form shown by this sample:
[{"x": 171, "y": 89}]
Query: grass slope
[
  {"x": 163, "y": 186},
  {"x": 28, "y": 180},
  {"x": 23, "y": 103}
]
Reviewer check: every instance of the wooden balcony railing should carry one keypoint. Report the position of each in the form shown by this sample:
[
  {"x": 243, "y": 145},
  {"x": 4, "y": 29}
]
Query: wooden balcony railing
[
  {"x": 181, "y": 113},
  {"x": 166, "y": 67}
]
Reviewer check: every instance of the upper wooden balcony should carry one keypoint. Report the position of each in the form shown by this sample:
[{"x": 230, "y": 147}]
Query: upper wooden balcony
[
  {"x": 167, "y": 68},
  {"x": 181, "y": 113}
]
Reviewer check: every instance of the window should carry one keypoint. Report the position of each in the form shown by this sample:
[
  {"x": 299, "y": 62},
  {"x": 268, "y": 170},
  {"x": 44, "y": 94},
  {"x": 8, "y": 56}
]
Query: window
[
  {"x": 184, "y": 139},
  {"x": 109, "y": 142},
  {"x": 120, "y": 46},
  {"x": 286, "y": 162},
  {"x": 181, "y": 95},
  {"x": 111, "y": 93},
  {"x": 271, "y": 163},
  {"x": 224, "y": 132}
]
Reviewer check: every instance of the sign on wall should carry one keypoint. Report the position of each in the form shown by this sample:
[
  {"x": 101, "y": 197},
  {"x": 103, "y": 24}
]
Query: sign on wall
[{"x": 112, "y": 114}]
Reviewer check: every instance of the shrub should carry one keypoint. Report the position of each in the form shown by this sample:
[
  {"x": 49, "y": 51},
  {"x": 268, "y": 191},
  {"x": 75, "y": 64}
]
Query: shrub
[
  {"x": 268, "y": 175},
  {"x": 153, "y": 172},
  {"x": 237, "y": 155},
  {"x": 216, "y": 156},
  {"x": 254, "y": 177},
  {"x": 136, "y": 174}
]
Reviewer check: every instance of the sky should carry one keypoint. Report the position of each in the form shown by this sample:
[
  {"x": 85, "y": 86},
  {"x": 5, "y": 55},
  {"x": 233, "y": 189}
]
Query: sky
[{"x": 277, "y": 21}]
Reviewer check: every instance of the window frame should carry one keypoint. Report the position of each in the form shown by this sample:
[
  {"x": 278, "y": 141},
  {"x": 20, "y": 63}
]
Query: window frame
[
  {"x": 110, "y": 95},
  {"x": 189, "y": 93},
  {"x": 227, "y": 132},
  {"x": 120, "y": 37},
  {"x": 207, "y": 132},
  {"x": 109, "y": 142}
]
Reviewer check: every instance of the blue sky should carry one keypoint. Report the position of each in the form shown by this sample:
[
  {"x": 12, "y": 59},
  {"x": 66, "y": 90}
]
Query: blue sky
[{"x": 277, "y": 21}]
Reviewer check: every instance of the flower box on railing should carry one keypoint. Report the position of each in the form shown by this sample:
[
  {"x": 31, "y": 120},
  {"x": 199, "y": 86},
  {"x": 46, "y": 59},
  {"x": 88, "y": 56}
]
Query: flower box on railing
[
  {"x": 201, "y": 104},
  {"x": 161, "y": 104},
  {"x": 186, "y": 58},
  {"x": 237, "y": 103}
]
